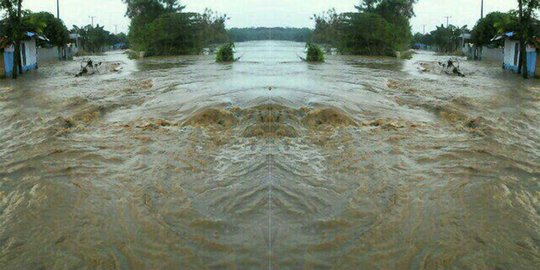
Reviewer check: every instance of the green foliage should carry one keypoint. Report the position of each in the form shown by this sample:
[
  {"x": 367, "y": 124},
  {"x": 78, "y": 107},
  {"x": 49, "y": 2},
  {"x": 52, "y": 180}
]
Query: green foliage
[
  {"x": 275, "y": 33},
  {"x": 314, "y": 53},
  {"x": 380, "y": 27},
  {"x": 493, "y": 24},
  {"x": 328, "y": 27},
  {"x": 419, "y": 38},
  {"x": 447, "y": 39},
  {"x": 118, "y": 38},
  {"x": 170, "y": 34},
  {"x": 210, "y": 27},
  {"x": 93, "y": 39},
  {"x": 48, "y": 25},
  {"x": 225, "y": 53},
  {"x": 160, "y": 27}
]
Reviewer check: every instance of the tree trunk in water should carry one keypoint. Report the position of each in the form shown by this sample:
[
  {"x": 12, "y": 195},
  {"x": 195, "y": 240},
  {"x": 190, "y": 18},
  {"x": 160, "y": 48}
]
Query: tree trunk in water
[
  {"x": 524, "y": 57},
  {"x": 16, "y": 59},
  {"x": 522, "y": 67},
  {"x": 19, "y": 18},
  {"x": 17, "y": 21},
  {"x": 520, "y": 22}
]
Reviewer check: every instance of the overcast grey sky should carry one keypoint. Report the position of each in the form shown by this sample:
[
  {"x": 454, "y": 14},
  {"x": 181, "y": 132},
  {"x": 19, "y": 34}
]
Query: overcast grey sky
[{"x": 294, "y": 13}]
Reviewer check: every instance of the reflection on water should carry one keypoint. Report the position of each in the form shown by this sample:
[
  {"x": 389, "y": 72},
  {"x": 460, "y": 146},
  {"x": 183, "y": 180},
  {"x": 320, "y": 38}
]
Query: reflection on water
[{"x": 358, "y": 163}]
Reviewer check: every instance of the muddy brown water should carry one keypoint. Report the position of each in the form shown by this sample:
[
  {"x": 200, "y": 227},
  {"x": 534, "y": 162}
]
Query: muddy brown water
[{"x": 270, "y": 163}]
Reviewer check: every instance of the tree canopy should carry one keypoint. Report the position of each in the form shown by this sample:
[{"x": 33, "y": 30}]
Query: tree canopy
[
  {"x": 48, "y": 25},
  {"x": 380, "y": 27},
  {"x": 493, "y": 24},
  {"x": 95, "y": 38},
  {"x": 160, "y": 27}
]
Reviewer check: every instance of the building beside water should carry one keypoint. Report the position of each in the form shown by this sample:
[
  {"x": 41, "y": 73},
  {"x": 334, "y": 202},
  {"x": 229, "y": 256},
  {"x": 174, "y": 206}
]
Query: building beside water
[
  {"x": 512, "y": 52},
  {"x": 29, "y": 58}
]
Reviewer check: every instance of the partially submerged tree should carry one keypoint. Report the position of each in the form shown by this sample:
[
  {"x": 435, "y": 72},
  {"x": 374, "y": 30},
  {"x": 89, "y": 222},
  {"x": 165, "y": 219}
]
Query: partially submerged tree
[
  {"x": 526, "y": 9},
  {"x": 225, "y": 53},
  {"x": 314, "y": 53}
]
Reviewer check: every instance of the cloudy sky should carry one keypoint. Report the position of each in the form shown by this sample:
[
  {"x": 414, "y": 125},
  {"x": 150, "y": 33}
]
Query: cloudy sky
[{"x": 294, "y": 13}]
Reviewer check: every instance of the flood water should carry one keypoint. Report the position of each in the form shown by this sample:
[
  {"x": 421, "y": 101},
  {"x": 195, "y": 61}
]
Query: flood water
[{"x": 270, "y": 163}]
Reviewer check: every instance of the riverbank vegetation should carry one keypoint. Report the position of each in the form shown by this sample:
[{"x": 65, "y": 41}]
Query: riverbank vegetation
[
  {"x": 94, "y": 39},
  {"x": 379, "y": 27},
  {"x": 225, "y": 53},
  {"x": 275, "y": 33},
  {"x": 444, "y": 39},
  {"x": 161, "y": 27},
  {"x": 314, "y": 53}
]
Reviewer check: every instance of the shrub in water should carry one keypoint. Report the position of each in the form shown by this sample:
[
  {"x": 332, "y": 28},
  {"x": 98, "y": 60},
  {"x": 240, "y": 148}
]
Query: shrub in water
[
  {"x": 314, "y": 53},
  {"x": 225, "y": 53}
]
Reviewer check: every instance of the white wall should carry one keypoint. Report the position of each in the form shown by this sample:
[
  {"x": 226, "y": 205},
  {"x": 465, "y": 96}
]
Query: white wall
[
  {"x": 31, "y": 52},
  {"x": 509, "y": 51}
]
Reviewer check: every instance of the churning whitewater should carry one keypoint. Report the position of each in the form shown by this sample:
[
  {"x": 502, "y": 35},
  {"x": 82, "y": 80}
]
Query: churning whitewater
[{"x": 270, "y": 162}]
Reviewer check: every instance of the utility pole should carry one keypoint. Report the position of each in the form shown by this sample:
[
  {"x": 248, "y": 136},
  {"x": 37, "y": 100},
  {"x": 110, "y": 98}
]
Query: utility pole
[
  {"x": 482, "y": 10},
  {"x": 448, "y": 20},
  {"x": 424, "y": 29},
  {"x": 116, "y": 29},
  {"x": 92, "y": 17},
  {"x": 58, "y": 9}
]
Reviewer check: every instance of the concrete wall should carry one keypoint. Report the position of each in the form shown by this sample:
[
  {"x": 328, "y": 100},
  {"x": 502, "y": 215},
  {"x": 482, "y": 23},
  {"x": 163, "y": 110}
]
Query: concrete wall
[
  {"x": 48, "y": 54},
  {"x": 487, "y": 54},
  {"x": 493, "y": 54},
  {"x": 51, "y": 54}
]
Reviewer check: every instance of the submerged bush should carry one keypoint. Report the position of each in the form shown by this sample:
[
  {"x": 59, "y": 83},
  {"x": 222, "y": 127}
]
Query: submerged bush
[
  {"x": 225, "y": 53},
  {"x": 314, "y": 53}
]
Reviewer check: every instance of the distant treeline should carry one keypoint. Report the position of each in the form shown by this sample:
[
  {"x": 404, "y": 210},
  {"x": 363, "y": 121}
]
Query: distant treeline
[{"x": 265, "y": 33}]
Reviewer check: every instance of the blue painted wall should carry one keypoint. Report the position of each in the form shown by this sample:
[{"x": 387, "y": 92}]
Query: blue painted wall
[
  {"x": 531, "y": 64},
  {"x": 8, "y": 63}
]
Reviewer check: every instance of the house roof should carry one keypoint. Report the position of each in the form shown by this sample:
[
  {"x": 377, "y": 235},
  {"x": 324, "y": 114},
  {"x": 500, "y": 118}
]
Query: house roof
[
  {"x": 36, "y": 35},
  {"x": 510, "y": 35},
  {"x": 6, "y": 42}
]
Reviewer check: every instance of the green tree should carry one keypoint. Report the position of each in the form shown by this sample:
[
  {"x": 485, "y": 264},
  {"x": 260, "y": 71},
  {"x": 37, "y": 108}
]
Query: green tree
[
  {"x": 170, "y": 34},
  {"x": 14, "y": 29},
  {"x": 93, "y": 39},
  {"x": 380, "y": 27},
  {"x": 160, "y": 27},
  {"x": 48, "y": 25},
  {"x": 526, "y": 9},
  {"x": 493, "y": 24},
  {"x": 448, "y": 39},
  {"x": 329, "y": 27}
]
